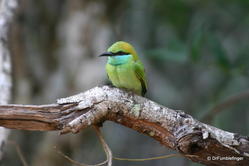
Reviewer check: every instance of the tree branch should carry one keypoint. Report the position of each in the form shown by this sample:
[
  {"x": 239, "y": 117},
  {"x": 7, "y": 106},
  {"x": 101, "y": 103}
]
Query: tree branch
[
  {"x": 172, "y": 128},
  {"x": 225, "y": 104}
]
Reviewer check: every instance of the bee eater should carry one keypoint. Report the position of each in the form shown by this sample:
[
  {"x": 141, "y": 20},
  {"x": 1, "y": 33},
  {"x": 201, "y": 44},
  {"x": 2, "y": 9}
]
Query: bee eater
[{"x": 124, "y": 68}]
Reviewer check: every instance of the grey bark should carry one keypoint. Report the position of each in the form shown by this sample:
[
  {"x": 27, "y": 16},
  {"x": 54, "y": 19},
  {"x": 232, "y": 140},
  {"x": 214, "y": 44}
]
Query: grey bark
[
  {"x": 174, "y": 129},
  {"x": 6, "y": 13}
]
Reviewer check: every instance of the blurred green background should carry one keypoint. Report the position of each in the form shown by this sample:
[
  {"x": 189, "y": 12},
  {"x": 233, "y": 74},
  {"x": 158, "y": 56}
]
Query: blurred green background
[{"x": 195, "y": 54}]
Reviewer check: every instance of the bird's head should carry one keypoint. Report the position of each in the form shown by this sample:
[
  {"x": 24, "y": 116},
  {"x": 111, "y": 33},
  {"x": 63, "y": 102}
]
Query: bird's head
[{"x": 121, "y": 48}]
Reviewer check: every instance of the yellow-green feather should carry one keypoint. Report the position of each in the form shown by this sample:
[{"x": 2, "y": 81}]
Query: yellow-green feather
[
  {"x": 140, "y": 73},
  {"x": 125, "y": 47},
  {"x": 130, "y": 73}
]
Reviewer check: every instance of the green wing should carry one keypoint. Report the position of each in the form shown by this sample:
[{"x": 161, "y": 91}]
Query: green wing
[{"x": 140, "y": 73}]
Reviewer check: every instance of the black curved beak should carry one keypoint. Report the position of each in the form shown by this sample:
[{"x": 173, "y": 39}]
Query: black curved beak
[{"x": 107, "y": 54}]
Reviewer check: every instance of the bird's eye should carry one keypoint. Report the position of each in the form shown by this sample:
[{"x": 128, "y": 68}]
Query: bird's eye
[{"x": 121, "y": 53}]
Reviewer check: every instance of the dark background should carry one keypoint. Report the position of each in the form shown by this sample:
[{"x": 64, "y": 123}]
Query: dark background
[{"x": 195, "y": 54}]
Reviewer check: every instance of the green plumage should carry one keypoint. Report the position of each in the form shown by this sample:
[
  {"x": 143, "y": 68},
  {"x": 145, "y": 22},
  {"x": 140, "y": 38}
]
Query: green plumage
[{"x": 124, "y": 68}]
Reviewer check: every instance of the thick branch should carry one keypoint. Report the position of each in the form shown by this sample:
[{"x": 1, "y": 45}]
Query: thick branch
[{"x": 172, "y": 128}]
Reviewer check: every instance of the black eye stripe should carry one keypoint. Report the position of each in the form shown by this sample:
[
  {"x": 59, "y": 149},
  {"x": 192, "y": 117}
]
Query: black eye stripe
[{"x": 120, "y": 53}]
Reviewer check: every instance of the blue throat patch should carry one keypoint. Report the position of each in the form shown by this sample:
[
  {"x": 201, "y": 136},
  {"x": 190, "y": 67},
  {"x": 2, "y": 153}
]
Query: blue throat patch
[{"x": 119, "y": 60}]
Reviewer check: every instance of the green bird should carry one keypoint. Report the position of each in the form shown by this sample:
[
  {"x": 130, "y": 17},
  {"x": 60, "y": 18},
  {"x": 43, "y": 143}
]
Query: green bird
[{"x": 124, "y": 68}]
